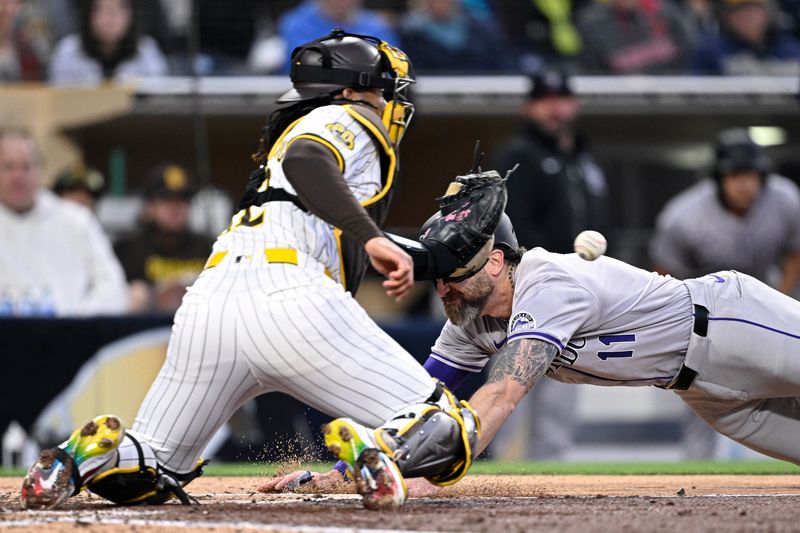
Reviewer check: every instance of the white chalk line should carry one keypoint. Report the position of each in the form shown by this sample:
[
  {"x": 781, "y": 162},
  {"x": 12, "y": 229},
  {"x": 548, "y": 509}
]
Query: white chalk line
[
  {"x": 250, "y": 498},
  {"x": 86, "y": 520}
]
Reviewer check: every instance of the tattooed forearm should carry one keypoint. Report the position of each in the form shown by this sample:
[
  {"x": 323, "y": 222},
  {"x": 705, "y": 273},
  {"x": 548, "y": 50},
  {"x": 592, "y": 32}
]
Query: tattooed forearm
[{"x": 524, "y": 361}]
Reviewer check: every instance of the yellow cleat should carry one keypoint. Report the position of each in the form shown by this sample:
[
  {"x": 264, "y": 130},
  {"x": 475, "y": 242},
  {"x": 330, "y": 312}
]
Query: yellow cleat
[
  {"x": 377, "y": 478},
  {"x": 61, "y": 472}
]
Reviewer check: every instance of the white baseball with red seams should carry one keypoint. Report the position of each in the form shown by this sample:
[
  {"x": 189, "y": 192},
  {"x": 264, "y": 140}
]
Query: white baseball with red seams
[{"x": 590, "y": 245}]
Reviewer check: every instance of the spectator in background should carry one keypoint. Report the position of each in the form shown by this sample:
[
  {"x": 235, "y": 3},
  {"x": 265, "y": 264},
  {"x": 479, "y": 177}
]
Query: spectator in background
[
  {"x": 444, "y": 37},
  {"x": 163, "y": 256},
  {"x": 790, "y": 11},
  {"x": 557, "y": 191},
  {"x": 701, "y": 17},
  {"x": 542, "y": 32},
  {"x": 80, "y": 185},
  {"x": 633, "y": 37},
  {"x": 20, "y": 57},
  {"x": 55, "y": 258},
  {"x": 313, "y": 18},
  {"x": 109, "y": 47},
  {"x": 750, "y": 223},
  {"x": 227, "y": 31},
  {"x": 268, "y": 53},
  {"x": 750, "y": 43},
  {"x": 59, "y": 17}
]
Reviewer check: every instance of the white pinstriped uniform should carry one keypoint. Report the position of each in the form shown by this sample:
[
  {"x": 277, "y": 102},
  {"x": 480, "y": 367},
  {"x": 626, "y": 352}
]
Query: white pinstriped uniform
[{"x": 250, "y": 325}]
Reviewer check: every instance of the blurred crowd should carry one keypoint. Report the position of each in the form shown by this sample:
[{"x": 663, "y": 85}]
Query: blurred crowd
[
  {"x": 58, "y": 259},
  {"x": 144, "y": 255},
  {"x": 88, "y": 41}
]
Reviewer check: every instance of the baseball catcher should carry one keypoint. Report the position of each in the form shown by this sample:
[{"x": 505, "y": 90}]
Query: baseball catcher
[
  {"x": 273, "y": 309},
  {"x": 435, "y": 440}
]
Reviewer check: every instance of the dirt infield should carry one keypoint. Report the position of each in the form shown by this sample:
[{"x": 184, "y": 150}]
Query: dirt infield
[{"x": 496, "y": 504}]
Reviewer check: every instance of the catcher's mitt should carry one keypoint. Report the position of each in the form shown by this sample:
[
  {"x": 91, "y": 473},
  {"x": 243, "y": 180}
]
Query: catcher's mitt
[{"x": 469, "y": 213}]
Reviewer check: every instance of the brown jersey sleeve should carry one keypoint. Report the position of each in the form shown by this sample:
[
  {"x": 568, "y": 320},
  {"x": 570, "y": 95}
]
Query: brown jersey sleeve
[{"x": 314, "y": 172}]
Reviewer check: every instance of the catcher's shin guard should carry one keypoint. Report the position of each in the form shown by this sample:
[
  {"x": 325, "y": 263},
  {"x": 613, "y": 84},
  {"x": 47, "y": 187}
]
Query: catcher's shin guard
[
  {"x": 434, "y": 440},
  {"x": 63, "y": 471},
  {"x": 376, "y": 476},
  {"x": 137, "y": 478}
]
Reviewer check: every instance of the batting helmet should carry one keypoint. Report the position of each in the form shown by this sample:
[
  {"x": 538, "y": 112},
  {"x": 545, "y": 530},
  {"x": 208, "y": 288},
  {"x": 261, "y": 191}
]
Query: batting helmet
[
  {"x": 735, "y": 151},
  {"x": 346, "y": 60},
  {"x": 504, "y": 236}
]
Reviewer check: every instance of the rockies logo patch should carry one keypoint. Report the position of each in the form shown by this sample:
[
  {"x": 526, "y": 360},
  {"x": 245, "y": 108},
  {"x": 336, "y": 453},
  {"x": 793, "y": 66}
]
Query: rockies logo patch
[{"x": 522, "y": 321}]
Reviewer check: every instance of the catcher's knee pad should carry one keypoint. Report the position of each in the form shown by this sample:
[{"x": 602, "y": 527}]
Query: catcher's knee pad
[
  {"x": 139, "y": 479},
  {"x": 434, "y": 440}
]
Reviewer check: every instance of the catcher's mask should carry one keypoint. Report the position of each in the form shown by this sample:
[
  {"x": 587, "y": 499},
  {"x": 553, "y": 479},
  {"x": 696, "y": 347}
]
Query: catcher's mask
[
  {"x": 471, "y": 222},
  {"x": 341, "y": 60}
]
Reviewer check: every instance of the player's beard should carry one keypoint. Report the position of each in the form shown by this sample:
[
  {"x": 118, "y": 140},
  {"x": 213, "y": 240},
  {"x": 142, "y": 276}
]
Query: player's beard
[{"x": 471, "y": 302}]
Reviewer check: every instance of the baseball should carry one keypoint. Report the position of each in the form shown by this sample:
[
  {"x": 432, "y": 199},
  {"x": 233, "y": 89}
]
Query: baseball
[{"x": 590, "y": 245}]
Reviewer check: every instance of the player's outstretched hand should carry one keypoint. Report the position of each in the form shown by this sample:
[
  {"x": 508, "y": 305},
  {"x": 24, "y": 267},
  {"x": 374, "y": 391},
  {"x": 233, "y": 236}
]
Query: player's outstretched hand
[
  {"x": 331, "y": 481},
  {"x": 419, "y": 487},
  {"x": 313, "y": 481},
  {"x": 391, "y": 261}
]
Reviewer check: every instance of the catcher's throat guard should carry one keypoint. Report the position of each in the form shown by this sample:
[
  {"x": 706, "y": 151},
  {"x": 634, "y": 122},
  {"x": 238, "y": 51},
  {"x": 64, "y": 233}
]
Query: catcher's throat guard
[{"x": 399, "y": 109}]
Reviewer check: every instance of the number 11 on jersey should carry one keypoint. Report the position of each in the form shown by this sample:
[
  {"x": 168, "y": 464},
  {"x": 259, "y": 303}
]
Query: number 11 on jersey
[{"x": 608, "y": 340}]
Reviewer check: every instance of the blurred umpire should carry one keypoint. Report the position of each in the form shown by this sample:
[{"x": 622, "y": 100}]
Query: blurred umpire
[
  {"x": 743, "y": 218},
  {"x": 559, "y": 189}
]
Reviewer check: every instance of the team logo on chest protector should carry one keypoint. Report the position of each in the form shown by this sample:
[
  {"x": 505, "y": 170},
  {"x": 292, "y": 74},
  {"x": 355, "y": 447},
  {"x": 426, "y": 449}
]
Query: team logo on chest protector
[{"x": 521, "y": 321}]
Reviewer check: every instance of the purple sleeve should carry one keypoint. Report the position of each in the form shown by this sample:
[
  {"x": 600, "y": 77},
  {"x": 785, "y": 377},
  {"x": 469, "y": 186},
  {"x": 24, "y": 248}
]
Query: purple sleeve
[{"x": 450, "y": 376}]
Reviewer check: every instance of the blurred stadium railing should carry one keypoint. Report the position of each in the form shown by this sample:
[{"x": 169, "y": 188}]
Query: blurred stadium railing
[{"x": 650, "y": 133}]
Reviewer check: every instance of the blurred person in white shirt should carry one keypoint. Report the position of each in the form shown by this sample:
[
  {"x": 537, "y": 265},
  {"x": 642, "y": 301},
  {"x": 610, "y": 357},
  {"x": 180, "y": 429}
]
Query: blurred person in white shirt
[
  {"x": 108, "y": 46},
  {"x": 55, "y": 259}
]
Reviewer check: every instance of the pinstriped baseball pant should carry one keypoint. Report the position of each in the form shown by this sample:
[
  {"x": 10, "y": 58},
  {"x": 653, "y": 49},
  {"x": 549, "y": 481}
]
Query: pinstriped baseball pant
[{"x": 243, "y": 331}]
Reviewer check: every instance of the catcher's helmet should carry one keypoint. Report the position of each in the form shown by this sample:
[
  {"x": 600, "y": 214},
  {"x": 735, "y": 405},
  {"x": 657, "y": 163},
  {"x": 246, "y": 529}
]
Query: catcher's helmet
[
  {"x": 346, "y": 60},
  {"x": 735, "y": 151}
]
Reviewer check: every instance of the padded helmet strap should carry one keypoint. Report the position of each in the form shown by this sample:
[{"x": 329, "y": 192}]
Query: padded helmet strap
[{"x": 346, "y": 78}]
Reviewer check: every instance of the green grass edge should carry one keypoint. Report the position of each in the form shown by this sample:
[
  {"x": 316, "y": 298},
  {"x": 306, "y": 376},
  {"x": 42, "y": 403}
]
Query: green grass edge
[{"x": 758, "y": 467}]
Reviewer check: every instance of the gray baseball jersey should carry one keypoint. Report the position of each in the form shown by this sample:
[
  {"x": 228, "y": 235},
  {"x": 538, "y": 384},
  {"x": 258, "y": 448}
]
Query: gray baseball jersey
[
  {"x": 270, "y": 314},
  {"x": 615, "y": 324},
  {"x": 696, "y": 235}
]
